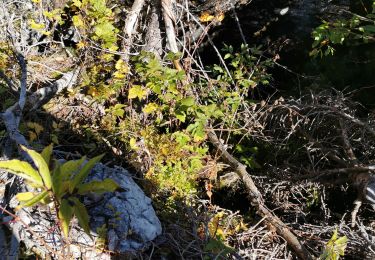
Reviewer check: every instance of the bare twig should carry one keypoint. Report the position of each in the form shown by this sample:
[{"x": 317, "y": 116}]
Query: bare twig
[
  {"x": 8, "y": 81},
  {"x": 347, "y": 146},
  {"x": 41, "y": 241}
]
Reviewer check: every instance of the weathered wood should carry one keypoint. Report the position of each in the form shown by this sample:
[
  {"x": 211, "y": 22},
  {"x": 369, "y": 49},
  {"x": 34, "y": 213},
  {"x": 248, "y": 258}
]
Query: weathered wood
[
  {"x": 153, "y": 38},
  {"x": 221, "y": 6},
  {"x": 257, "y": 200}
]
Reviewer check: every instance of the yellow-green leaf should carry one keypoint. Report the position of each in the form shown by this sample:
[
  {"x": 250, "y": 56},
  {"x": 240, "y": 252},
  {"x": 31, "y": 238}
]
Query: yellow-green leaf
[
  {"x": 31, "y": 202},
  {"x": 82, "y": 215},
  {"x": 107, "y": 185},
  {"x": 37, "y": 127},
  {"x": 81, "y": 176},
  {"x": 47, "y": 152},
  {"x": 22, "y": 169},
  {"x": 65, "y": 215},
  {"x": 77, "y": 3},
  {"x": 150, "y": 108},
  {"x": 23, "y": 196},
  {"x": 36, "y": 26},
  {"x": 137, "y": 92},
  {"x": 133, "y": 144},
  {"x": 118, "y": 75},
  {"x": 77, "y": 21},
  {"x": 42, "y": 166},
  {"x": 121, "y": 66}
]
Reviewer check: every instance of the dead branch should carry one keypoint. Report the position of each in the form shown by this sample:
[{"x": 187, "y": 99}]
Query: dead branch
[
  {"x": 130, "y": 26},
  {"x": 257, "y": 200},
  {"x": 43, "y": 95},
  {"x": 153, "y": 38},
  {"x": 347, "y": 146},
  {"x": 8, "y": 81},
  {"x": 12, "y": 116},
  {"x": 169, "y": 21}
]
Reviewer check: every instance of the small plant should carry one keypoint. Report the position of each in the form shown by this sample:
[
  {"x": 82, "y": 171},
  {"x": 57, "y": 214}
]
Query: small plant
[
  {"x": 62, "y": 185},
  {"x": 335, "y": 247},
  {"x": 351, "y": 31}
]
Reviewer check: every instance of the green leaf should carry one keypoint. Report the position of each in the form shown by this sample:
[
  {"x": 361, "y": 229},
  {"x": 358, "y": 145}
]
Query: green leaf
[
  {"x": 81, "y": 176},
  {"x": 65, "y": 215},
  {"x": 369, "y": 28},
  {"x": 188, "y": 102},
  {"x": 118, "y": 110},
  {"x": 34, "y": 200},
  {"x": 22, "y": 169},
  {"x": 82, "y": 215},
  {"x": 42, "y": 166},
  {"x": 105, "y": 31},
  {"x": 227, "y": 56},
  {"x": 47, "y": 152},
  {"x": 70, "y": 167},
  {"x": 180, "y": 115},
  {"x": 335, "y": 247},
  {"x": 57, "y": 179},
  {"x": 107, "y": 185}
]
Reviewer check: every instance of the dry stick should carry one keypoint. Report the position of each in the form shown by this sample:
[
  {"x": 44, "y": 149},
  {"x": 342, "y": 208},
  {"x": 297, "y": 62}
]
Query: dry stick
[
  {"x": 345, "y": 116},
  {"x": 257, "y": 200},
  {"x": 169, "y": 21},
  {"x": 153, "y": 38},
  {"x": 17, "y": 218},
  {"x": 131, "y": 20},
  {"x": 12, "y": 116},
  {"x": 327, "y": 152},
  {"x": 347, "y": 146},
  {"x": 209, "y": 40},
  {"x": 44, "y": 95},
  {"x": 9, "y": 82},
  {"x": 130, "y": 25}
]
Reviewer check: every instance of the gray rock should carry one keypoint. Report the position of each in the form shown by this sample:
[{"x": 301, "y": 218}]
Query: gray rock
[{"x": 128, "y": 214}]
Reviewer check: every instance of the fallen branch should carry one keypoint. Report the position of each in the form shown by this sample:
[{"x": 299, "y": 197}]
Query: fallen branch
[
  {"x": 257, "y": 200},
  {"x": 12, "y": 116},
  {"x": 43, "y": 95}
]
